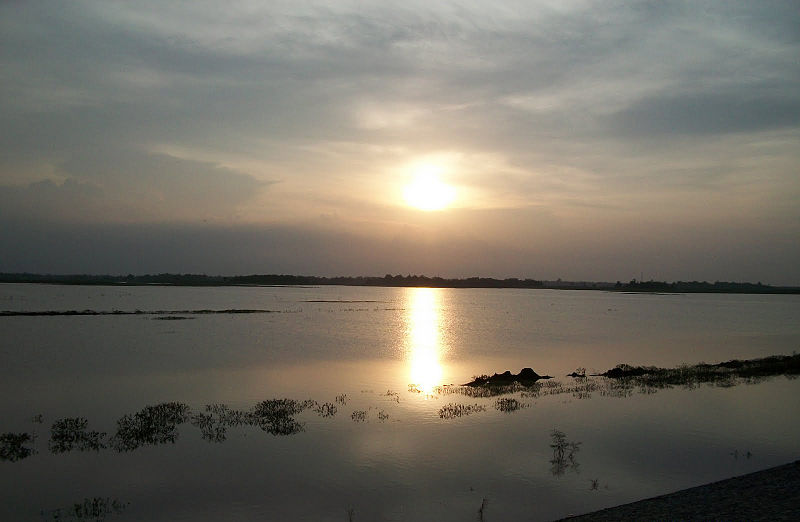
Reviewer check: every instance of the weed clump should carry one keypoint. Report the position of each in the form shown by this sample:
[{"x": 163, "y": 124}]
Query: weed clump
[
  {"x": 12, "y": 446},
  {"x": 453, "y": 410},
  {"x": 507, "y": 404},
  {"x": 151, "y": 426},
  {"x": 326, "y": 409},
  {"x": 70, "y": 434},
  {"x": 90, "y": 509},
  {"x": 563, "y": 453},
  {"x": 276, "y": 416},
  {"x": 215, "y": 421}
]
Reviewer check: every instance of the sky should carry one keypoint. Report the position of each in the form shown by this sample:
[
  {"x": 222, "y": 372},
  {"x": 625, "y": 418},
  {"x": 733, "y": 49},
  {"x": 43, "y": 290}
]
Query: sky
[{"x": 578, "y": 140}]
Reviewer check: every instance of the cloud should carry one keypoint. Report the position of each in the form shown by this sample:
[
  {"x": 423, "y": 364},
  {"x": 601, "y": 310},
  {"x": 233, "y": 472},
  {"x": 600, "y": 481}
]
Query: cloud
[
  {"x": 712, "y": 113},
  {"x": 124, "y": 185},
  {"x": 558, "y": 113}
]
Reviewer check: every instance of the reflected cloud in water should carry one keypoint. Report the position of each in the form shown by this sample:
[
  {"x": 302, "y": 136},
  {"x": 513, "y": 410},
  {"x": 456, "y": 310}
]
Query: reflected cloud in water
[{"x": 424, "y": 346}]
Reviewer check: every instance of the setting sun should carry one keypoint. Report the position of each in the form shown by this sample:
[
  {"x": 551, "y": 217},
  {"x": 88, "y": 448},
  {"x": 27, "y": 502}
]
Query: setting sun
[{"x": 427, "y": 192}]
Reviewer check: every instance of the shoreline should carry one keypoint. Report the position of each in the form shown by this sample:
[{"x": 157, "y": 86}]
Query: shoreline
[{"x": 770, "y": 494}]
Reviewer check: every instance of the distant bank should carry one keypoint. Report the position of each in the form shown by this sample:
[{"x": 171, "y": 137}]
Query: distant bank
[{"x": 396, "y": 281}]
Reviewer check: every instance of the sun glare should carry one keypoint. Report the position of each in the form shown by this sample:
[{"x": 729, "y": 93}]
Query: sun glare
[{"x": 427, "y": 192}]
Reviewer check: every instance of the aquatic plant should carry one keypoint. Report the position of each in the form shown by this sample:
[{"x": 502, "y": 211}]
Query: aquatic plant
[
  {"x": 12, "y": 446},
  {"x": 326, "y": 409},
  {"x": 507, "y": 404},
  {"x": 563, "y": 453},
  {"x": 393, "y": 394},
  {"x": 95, "y": 509},
  {"x": 71, "y": 434},
  {"x": 276, "y": 416},
  {"x": 482, "y": 509},
  {"x": 359, "y": 416},
  {"x": 151, "y": 426},
  {"x": 382, "y": 415},
  {"x": 216, "y": 420},
  {"x": 453, "y": 410},
  {"x": 341, "y": 399}
]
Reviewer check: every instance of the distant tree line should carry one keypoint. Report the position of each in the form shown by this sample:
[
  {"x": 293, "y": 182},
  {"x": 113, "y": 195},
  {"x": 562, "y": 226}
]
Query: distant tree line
[
  {"x": 703, "y": 287},
  {"x": 395, "y": 281},
  {"x": 269, "y": 280}
]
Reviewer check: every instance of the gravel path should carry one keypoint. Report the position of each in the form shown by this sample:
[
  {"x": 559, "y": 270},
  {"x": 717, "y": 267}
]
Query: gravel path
[{"x": 772, "y": 494}]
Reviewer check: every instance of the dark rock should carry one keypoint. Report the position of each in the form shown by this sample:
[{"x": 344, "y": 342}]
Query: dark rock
[{"x": 525, "y": 377}]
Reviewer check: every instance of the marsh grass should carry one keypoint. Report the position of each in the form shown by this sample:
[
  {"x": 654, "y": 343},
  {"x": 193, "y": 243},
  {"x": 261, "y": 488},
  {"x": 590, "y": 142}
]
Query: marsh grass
[
  {"x": 152, "y": 425},
  {"x": 508, "y": 404},
  {"x": 564, "y": 453},
  {"x": 326, "y": 409},
  {"x": 13, "y": 446},
  {"x": 215, "y": 421},
  {"x": 96, "y": 509},
  {"x": 482, "y": 509},
  {"x": 454, "y": 410},
  {"x": 624, "y": 380},
  {"x": 276, "y": 416},
  {"x": 71, "y": 434},
  {"x": 725, "y": 374}
]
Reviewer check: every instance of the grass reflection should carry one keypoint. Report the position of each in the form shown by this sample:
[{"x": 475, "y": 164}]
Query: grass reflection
[{"x": 423, "y": 339}]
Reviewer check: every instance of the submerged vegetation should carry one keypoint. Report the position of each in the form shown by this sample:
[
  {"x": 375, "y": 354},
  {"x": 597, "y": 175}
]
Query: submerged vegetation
[
  {"x": 72, "y": 434},
  {"x": 508, "y": 404},
  {"x": 151, "y": 426},
  {"x": 13, "y": 446},
  {"x": 96, "y": 509},
  {"x": 722, "y": 373},
  {"x": 453, "y": 410},
  {"x": 563, "y": 453}
]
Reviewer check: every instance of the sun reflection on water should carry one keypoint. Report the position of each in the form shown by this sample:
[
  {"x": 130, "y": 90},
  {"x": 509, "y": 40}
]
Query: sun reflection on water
[{"x": 423, "y": 338}]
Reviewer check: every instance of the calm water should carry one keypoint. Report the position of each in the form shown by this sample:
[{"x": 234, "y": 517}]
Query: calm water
[{"x": 397, "y": 459}]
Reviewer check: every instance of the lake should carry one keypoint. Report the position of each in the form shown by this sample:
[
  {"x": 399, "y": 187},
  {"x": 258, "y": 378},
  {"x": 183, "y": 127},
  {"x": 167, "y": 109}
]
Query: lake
[{"x": 172, "y": 416}]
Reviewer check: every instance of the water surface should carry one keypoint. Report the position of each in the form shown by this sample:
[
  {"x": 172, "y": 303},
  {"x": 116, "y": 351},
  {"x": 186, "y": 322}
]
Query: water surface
[{"x": 386, "y": 454}]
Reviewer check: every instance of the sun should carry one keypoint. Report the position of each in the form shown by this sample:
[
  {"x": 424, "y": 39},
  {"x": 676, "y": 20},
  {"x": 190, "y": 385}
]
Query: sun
[{"x": 427, "y": 192}]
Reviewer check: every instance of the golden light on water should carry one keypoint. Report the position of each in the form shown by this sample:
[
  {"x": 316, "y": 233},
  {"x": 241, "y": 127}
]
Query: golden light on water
[{"x": 423, "y": 337}]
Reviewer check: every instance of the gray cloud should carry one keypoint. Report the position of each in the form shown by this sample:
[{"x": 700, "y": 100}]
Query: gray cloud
[
  {"x": 708, "y": 113},
  {"x": 123, "y": 185}
]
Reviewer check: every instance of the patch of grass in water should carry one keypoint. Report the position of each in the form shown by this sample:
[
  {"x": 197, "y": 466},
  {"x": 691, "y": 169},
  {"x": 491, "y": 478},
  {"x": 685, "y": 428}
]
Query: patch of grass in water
[
  {"x": 563, "y": 453},
  {"x": 96, "y": 509},
  {"x": 326, "y": 409},
  {"x": 13, "y": 448},
  {"x": 152, "y": 425},
  {"x": 71, "y": 434},
  {"x": 276, "y": 416},
  {"x": 215, "y": 421},
  {"x": 508, "y": 404},
  {"x": 454, "y": 410}
]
